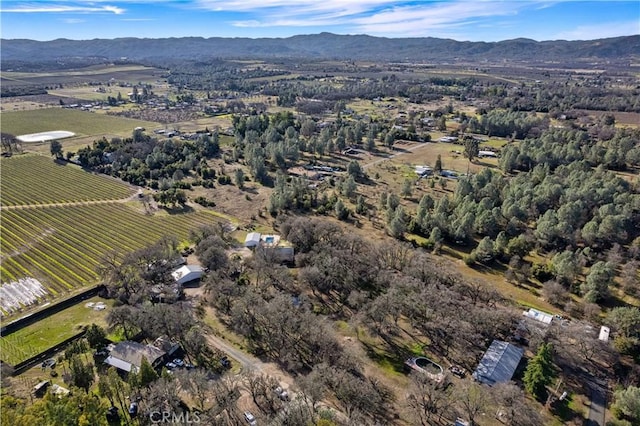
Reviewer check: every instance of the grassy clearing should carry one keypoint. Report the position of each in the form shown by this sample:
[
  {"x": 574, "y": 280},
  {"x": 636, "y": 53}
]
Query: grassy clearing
[
  {"x": 71, "y": 144},
  {"x": 82, "y": 123},
  {"x": 35, "y": 179},
  {"x": 451, "y": 155},
  {"x": 46, "y": 333},
  {"x": 96, "y": 70},
  {"x": 223, "y": 121},
  {"x": 84, "y": 92}
]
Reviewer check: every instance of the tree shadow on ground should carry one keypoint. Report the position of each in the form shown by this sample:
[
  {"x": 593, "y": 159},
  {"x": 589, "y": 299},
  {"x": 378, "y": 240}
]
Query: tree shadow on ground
[{"x": 177, "y": 210}]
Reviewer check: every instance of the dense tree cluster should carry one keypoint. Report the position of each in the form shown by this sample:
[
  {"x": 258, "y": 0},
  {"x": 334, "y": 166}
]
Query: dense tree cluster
[
  {"x": 79, "y": 409},
  {"x": 618, "y": 149},
  {"x": 131, "y": 278},
  {"x": 143, "y": 160},
  {"x": 566, "y": 207},
  {"x": 507, "y": 123}
]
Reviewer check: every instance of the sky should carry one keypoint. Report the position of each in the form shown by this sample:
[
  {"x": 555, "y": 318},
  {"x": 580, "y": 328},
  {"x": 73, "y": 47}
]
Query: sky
[{"x": 472, "y": 20}]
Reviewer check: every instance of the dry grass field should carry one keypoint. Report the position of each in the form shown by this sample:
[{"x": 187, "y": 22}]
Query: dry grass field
[
  {"x": 82, "y": 123},
  {"x": 87, "y": 126},
  {"x": 129, "y": 73}
]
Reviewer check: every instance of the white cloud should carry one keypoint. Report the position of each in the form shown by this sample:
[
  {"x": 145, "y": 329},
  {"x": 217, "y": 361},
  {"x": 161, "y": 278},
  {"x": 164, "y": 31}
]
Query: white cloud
[
  {"x": 419, "y": 20},
  {"x": 384, "y": 17},
  {"x": 61, "y": 8},
  {"x": 297, "y": 12},
  {"x": 603, "y": 30}
]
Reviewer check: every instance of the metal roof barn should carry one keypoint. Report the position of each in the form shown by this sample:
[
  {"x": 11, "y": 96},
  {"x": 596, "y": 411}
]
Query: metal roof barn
[{"x": 498, "y": 363}]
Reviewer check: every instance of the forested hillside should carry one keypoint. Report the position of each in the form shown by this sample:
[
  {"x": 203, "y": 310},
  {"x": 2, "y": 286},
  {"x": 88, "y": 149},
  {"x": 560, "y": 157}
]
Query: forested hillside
[{"x": 323, "y": 46}]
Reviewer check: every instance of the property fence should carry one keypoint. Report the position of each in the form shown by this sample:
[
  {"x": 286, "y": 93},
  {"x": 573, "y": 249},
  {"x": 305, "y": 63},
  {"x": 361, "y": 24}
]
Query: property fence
[
  {"x": 48, "y": 353},
  {"x": 24, "y": 321}
]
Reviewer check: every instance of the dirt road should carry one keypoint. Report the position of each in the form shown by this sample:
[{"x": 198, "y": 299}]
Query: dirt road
[{"x": 247, "y": 361}]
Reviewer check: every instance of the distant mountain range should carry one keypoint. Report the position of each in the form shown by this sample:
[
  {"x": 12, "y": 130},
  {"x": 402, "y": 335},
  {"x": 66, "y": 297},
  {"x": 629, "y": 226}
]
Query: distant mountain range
[{"x": 324, "y": 46}]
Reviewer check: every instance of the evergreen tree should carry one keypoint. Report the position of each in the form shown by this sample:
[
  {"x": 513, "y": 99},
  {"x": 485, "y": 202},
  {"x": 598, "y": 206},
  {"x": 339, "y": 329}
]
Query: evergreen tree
[
  {"x": 96, "y": 336},
  {"x": 485, "y": 251},
  {"x": 361, "y": 206},
  {"x": 500, "y": 245},
  {"x": 407, "y": 188},
  {"x": 436, "y": 236},
  {"x": 56, "y": 149},
  {"x": 81, "y": 373},
  {"x": 471, "y": 149},
  {"x": 147, "y": 374},
  {"x": 398, "y": 224},
  {"x": 354, "y": 169},
  {"x": 383, "y": 199},
  {"x": 239, "y": 178},
  {"x": 437, "y": 168},
  {"x": 349, "y": 187},
  {"x": 627, "y": 404},
  {"x": 539, "y": 372},
  {"x": 341, "y": 211},
  {"x": 596, "y": 286}
]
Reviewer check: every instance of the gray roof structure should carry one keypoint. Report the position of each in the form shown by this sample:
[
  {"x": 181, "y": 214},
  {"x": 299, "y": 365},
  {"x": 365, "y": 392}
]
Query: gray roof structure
[
  {"x": 498, "y": 363},
  {"x": 187, "y": 273},
  {"x": 252, "y": 239},
  {"x": 128, "y": 355}
]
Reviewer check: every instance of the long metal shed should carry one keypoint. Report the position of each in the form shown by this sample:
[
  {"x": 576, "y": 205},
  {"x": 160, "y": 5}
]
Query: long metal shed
[{"x": 498, "y": 363}]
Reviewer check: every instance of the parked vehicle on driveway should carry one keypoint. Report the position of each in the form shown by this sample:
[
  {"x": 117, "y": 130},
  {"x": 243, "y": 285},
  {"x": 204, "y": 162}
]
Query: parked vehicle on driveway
[{"x": 250, "y": 418}]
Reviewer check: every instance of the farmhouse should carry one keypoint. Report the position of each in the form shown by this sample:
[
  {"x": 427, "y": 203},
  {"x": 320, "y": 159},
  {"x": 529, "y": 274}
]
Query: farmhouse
[
  {"x": 187, "y": 273},
  {"x": 127, "y": 356},
  {"x": 252, "y": 239},
  {"x": 273, "y": 242},
  {"x": 498, "y": 363},
  {"x": 166, "y": 345}
]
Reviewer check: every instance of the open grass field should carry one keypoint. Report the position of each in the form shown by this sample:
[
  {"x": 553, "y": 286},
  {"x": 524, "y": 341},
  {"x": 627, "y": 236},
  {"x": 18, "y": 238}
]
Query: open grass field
[
  {"x": 62, "y": 246},
  {"x": 452, "y": 156},
  {"x": 221, "y": 121},
  {"x": 35, "y": 179},
  {"x": 90, "y": 92},
  {"x": 82, "y": 123},
  {"x": 44, "y": 334},
  {"x": 128, "y": 73}
]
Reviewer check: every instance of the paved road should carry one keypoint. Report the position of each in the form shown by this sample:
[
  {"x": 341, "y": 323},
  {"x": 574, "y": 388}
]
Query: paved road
[{"x": 598, "y": 402}]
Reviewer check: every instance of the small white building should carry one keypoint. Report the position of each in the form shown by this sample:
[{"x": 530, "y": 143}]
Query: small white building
[
  {"x": 448, "y": 139},
  {"x": 604, "y": 333},
  {"x": 483, "y": 154},
  {"x": 187, "y": 273},
  {"x": 537, "y": 315},
  {"x": 252, "y": 240}
]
